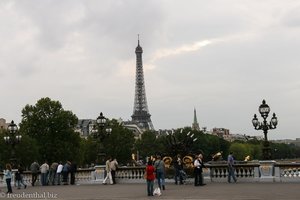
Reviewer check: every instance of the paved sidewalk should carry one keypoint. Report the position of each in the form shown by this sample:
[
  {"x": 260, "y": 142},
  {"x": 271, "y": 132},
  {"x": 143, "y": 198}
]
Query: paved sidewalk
[{"x": 211, "y": 191}]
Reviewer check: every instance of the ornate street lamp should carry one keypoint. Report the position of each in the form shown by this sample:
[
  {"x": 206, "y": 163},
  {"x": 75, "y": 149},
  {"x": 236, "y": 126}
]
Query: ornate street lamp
[
  {"x": 12, "y": 139},
  {"x": 101, "y": 132},
  {"x": 264, "y": 111}
]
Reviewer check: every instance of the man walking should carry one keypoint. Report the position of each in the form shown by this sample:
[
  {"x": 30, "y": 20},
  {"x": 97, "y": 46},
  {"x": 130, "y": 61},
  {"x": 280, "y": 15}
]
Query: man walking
[
  {"x": 108, "y": 172},
  {"x": 113, "y": 167},
  {"x": 230, "y": 162},
  {"x": 34, "y": 168}
]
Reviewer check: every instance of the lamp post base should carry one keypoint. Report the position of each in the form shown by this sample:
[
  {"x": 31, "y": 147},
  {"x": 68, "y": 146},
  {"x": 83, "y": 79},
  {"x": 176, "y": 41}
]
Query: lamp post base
[
  {"x": 266, "y": 150},
  {"x": 101, "y": 158}
]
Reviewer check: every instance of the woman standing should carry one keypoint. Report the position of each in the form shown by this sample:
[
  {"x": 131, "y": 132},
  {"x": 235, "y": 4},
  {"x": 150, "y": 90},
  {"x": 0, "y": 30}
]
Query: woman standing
[
  {"x": 198, "y": 165},
  {"x": 7, "y": 177},
  {"x": 159, "y": 166},
  {"x": 150, "y": 177}
]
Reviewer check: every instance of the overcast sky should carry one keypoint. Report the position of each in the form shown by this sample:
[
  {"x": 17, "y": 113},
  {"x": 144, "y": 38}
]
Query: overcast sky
[{"x": 221, "y": 57}]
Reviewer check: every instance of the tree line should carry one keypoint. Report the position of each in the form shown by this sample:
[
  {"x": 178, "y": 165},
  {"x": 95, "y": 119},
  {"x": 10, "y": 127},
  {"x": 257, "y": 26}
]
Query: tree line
[{"x": 48, "y": 133}]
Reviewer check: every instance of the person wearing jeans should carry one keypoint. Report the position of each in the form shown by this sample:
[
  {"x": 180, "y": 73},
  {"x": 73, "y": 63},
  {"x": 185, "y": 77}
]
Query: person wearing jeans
[
  {"x": 150, "y": 178},
  {"x": 19, "y": 177},
  {"x": 230, "y": 162},
  {"x": 159, "y": 166},
  {"x": 7, "y": 176}
]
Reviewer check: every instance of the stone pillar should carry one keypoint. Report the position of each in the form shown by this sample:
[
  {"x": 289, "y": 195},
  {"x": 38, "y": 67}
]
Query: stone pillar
[
  {"x": 266, "y": 170},
  {"x": 99, "y": 174}
]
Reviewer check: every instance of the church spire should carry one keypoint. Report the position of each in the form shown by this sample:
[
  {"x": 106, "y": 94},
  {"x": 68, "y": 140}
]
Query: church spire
[{"x": 195, "y": 125}]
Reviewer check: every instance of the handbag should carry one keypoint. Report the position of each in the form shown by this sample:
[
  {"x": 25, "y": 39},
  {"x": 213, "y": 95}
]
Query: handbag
[{"x": 157, "y": 191}]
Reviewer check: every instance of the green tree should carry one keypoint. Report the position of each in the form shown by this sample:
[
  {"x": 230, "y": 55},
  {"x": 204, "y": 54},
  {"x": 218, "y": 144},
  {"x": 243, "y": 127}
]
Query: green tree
[
  {"x": 25, "y": 150},
  {"x": 53, "y": 129},
  {"x": 243, "y": 149},
  {"x": 119, "y": 144},
  {"x": 148, "y": 144},
  {"x": 88, "y": 152}
]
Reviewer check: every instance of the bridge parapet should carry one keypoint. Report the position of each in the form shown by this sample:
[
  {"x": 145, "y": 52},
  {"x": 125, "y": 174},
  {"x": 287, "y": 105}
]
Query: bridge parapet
[{"x": 214, "y": 172}]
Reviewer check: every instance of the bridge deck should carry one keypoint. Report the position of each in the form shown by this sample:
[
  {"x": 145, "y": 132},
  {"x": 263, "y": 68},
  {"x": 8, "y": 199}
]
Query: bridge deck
[{"x": 211, "y": 191}]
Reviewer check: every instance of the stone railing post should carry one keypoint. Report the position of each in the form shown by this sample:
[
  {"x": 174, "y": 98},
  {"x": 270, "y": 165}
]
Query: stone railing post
[{"x": 266, "y": 170}]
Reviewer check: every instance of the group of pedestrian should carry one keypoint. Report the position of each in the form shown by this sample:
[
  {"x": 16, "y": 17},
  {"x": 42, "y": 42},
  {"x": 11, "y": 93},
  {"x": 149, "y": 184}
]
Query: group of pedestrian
[
  {"x": 155, "y": 169},
  {"x": 111, "y": 166},
  {"x": 54, "y": 174}
]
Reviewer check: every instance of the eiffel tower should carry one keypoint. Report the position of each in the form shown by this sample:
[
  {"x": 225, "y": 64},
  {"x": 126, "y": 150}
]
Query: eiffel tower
[
  {"x": 141, "y": 115},
  {"x": 195, "y": 125}
]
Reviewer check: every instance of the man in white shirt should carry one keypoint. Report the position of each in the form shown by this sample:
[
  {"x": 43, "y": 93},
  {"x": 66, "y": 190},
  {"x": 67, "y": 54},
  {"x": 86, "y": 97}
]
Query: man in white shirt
[
  {"x": 58, "y": 172},
  {"x": 44, "y": 173}
]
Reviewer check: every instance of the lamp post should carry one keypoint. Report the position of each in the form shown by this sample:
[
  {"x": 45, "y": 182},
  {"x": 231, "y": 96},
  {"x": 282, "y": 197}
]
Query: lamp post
[
  {"x": 100, "y": 133},
  {"x": 264, "y": 111},
  {"x": 12, "y": 139}
]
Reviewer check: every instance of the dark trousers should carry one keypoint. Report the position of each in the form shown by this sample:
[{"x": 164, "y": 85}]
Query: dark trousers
[
  {"x": 113, "y": 176},
  {"x": 8, "y": 183},
  {"x": 150, "y": 185},
  {"x": 72, "y": 182},
  {"x": 198, "y": 177},
  {"x": 44, "y": 178},
  {"x": 34, "y": 178},
  {"x": 58, "y": 176},
  {"x": 178, "y": 175},
  {"x": 52, "y": 177},
  {"x": 65, "y": 177}
]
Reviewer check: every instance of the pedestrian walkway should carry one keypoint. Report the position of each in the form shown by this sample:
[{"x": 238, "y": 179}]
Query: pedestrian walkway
[{"x": 211, "y": 191}]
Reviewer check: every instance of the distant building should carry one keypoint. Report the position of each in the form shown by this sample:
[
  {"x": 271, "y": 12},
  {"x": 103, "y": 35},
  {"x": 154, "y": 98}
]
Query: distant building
[
  {"x": 220, "y": 132},
  {"x": 241, "y": 137},
  {"x": 3, "y": 124},
  {"x": 84, "y": 127},
  {"x": 288, "y": 141},
  {"x": 133, "y": 127}
]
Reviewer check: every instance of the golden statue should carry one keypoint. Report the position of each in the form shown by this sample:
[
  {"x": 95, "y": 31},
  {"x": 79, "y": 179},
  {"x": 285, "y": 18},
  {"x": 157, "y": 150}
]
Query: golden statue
[
  {"x": 188, "y": 161},
  {"x": 167, "y": 160},
  {"x": 247, "y": 158}
]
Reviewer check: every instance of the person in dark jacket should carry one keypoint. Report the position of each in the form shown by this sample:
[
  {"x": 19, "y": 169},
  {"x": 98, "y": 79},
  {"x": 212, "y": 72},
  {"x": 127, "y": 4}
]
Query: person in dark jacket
[
  {"x": 19, "y": 177},
  {"x": 65, "y": 172},
  {"x": 73, "y": 169},
  {"x": 34, "y": 168},
  {"x": 178, "y": 166}
]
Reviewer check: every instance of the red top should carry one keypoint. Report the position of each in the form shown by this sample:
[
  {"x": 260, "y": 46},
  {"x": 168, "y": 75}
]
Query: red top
[{"x": 150, "y": 172}]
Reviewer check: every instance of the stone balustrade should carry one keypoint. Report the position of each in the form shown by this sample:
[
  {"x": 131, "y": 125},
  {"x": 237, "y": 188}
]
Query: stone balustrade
[{"x": 262, "y": 171}]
